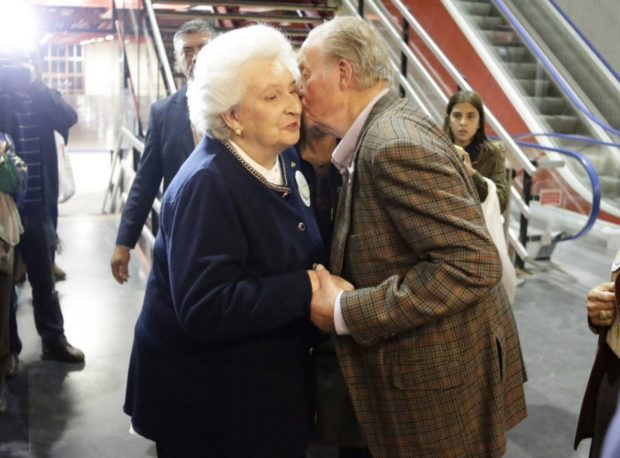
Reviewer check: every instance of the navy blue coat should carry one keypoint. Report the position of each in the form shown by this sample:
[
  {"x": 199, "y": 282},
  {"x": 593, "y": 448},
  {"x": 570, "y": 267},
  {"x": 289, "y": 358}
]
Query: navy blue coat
[
  {"x": 221, "y": 361},
  {"x": 168, "y": 143}
]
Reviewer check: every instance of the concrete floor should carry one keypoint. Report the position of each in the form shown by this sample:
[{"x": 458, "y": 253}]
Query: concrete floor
[{"x": 63, "y": 411}]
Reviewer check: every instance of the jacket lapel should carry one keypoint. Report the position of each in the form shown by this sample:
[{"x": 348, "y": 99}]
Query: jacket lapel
[
  {"x": 344, "y": 207},
  {"x": 181, "y": 114}
]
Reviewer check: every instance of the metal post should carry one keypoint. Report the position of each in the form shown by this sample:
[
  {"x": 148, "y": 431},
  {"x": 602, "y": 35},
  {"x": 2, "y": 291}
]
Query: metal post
[
  {"x": 523, "y": 221},
  {"x": 403, "y": 56}
]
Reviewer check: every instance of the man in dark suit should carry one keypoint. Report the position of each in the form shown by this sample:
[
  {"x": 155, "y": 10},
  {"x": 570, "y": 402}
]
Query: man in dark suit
[
  {"x": 169, "y": 141},
  {"x": 427, "y": 341}
]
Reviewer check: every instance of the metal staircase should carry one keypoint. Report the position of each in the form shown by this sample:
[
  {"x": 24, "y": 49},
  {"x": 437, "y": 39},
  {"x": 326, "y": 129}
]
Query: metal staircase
[{"x": 294, "y": 19}]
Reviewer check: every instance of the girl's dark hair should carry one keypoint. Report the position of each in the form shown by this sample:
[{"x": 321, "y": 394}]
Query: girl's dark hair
[{"x": 474, "y": 99}]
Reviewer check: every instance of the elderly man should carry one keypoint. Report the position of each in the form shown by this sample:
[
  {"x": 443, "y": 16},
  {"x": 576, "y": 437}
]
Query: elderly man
[
  {"x": 169, "y": 141},
  {"x": 427, "y": 342}
]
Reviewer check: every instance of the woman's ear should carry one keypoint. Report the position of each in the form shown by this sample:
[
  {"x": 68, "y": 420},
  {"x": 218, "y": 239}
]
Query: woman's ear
[{"x": 230, "y": 119}]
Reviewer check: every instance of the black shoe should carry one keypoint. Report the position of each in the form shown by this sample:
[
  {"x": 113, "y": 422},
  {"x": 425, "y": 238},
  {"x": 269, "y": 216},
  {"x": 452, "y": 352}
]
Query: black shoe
[
  {"x": 62, "y": 351},
  {"x": 12, "y": 366}
]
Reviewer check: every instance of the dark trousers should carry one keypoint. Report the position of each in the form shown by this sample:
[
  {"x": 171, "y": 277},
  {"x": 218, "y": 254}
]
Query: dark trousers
[
  {"x": 165, "y": 453},
  {"x": 6, "y": 286},
  {"x": 37, "y": 247},
  {"x": 15, "y": 343},
  {"x": 346, "y": 452},
  {"x": 607, "y": 399}
]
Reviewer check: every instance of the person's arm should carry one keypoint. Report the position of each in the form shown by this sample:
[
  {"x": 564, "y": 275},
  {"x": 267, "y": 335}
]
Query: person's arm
[
  {"x": 140, "y": 199},
  {"x": 59, "y": 113},
  {"x": 145, "y": 185},
  {"x": 496, "y": 173},
  {"x": 209, "y": 259},
  {"x": 431, "y": 207}
]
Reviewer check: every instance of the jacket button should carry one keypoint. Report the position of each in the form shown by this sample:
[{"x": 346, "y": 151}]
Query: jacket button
[
  {"x": 301, "y": 227},
  {"x": 310, "y": 350}
]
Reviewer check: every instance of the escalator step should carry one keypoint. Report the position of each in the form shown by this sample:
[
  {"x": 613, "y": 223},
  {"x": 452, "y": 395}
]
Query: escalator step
[
  {"x": 502, "y": 38},
  {"x": 535, "y": 87},
  {"x": 524, "y": 70},
  {"x": 551, "y": 105},
  {"x": 562, "y": 124},
  {"x": 477, "y": 8},
  {"x": 486, "y": 22},
  {"x": 514, "y": 54}
]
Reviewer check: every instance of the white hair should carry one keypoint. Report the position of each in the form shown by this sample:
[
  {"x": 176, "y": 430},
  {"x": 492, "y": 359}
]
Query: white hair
[
  {"x": 353, "y": 39},
  {"x": 218, "y": 84}
]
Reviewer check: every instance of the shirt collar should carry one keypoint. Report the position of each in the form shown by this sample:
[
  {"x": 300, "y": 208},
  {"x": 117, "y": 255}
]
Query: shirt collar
[
  {"x": 273, "y": 175},
  {"x": 342, "y": 157}
]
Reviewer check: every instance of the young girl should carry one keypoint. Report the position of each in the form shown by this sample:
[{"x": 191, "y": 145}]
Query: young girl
[{"x": 464, "y": 124}]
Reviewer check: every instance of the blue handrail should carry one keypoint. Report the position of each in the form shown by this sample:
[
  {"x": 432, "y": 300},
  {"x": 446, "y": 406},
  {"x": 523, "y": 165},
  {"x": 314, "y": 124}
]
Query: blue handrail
[
  {"x": 594, "y": 181},
  {"x": 551, "y": 68},
  {"x": 585, "y": 39},
  {"x": 572, "y": 137}
]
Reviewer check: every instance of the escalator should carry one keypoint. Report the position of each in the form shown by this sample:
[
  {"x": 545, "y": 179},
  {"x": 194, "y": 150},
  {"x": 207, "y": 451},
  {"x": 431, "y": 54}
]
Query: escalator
[
  {"x": 435, "y": 56},
  {"x": 564, "y": 92}
]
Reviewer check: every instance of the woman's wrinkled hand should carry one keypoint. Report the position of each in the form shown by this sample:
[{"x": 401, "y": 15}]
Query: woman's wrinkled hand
[{"x": 601, "y": 304}]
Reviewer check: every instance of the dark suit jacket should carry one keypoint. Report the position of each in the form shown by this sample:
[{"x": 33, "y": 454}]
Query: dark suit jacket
[
  {"x": 169, "y": 141},
  {"x": 433, "y": 365},
  {"x": 52, "y": 114},
  {"x": 221, "y": 364}
]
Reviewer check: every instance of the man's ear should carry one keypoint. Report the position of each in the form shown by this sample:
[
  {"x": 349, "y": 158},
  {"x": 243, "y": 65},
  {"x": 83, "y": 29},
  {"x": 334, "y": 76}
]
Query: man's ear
[{"x": 345, "y": 74}]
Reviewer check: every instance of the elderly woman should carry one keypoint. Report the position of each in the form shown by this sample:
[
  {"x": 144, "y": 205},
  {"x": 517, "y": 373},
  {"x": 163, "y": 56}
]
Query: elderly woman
[{"x": 221, "y": 361}]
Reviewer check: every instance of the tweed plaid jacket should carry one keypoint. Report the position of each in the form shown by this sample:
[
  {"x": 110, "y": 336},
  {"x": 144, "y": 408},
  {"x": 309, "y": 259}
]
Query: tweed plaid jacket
[{"x": 434, "y": 364}]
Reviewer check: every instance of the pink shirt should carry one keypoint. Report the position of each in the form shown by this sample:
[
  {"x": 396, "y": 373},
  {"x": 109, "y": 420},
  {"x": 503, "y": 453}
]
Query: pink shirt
[{"x": 342, "y": 158}]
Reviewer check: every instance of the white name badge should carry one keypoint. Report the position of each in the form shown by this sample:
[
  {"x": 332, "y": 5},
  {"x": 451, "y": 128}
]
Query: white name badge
[{"x": 302, "y": 186}]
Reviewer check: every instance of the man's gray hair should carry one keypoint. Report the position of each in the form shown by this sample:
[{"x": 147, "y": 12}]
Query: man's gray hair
[
  {"x": 353, "y": 39},
  {"x": 188, "y": 28},
  {"x": 219, "y": 82}
]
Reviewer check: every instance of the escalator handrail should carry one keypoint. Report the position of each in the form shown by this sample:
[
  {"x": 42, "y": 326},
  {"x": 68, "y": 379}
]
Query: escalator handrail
[
  {"x": 594, "y": 181},
  {"x": 159, "y": 46},
  {"x": 462, "y": 82},
  {"x": 585, "y": 40},
  {"x": 559, "y": 79},
  {"x": 571, "y": 137}
]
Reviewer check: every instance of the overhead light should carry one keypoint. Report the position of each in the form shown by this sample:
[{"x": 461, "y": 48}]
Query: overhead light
[{"x": 18, "y": 26}]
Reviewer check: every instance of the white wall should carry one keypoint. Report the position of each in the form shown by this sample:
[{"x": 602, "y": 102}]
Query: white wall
[{"x": 102, "y": 68}]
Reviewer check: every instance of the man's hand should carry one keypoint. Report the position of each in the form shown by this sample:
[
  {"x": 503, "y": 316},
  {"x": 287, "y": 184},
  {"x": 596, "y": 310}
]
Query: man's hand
[
  {"x": 601, "y": 308},
  {"x": 120, "y": 264},
  {"x": 324, "y": 299}
]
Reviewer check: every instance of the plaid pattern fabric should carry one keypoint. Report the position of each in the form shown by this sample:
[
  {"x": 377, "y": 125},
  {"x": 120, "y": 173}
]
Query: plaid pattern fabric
[
  {"x": 28, "y": 147},
  {"x": 434, "y": 365}
]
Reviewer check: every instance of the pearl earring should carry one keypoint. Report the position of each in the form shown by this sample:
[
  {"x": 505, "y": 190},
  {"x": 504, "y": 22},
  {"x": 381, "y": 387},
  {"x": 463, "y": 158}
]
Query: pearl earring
[{"x": 238, "y": 132}]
